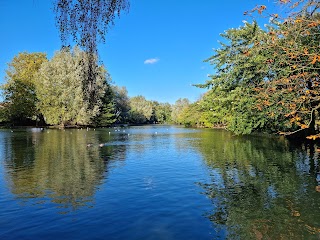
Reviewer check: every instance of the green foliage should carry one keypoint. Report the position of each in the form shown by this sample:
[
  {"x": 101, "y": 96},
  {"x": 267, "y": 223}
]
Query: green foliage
[
  {"x": 3, "y": 113},
  {"x": 161, "y": 112},
  {"x": 141, "y": 110},
  {"x": 177, "y": 110},
  {"x": 238, "y": 61},
  {"x": 19, "y": 91},
  {"x": 60, "y": 89},
  {"x": 240, "y": 67},
  {"x": 265, "y": 80},
  {"x": 121, "y": 104},
  {"x": 87, "y": 21},
  {"x": 58, "y": 92},
  {"x": 107, "y": 113},
  {"x": 293, "y": 93},
  {"x": 107, "y": 116}
]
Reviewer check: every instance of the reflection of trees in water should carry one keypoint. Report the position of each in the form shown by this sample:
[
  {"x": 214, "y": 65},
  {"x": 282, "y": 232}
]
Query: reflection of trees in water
[
  {"x": 21, "y": 153},
  {"x": 262, "y": 188},
  {"x": 112, "y": 152},
  {"x": 60, "y": 165}
]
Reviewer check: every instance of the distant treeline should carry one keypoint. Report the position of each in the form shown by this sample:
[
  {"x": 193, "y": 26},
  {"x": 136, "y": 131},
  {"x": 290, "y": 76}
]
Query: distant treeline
[{"x": 39, "y": 91}]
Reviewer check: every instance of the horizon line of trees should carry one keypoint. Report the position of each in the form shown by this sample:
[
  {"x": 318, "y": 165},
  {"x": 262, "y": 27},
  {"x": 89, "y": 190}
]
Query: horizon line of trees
[{"x": 40, "y": 91}]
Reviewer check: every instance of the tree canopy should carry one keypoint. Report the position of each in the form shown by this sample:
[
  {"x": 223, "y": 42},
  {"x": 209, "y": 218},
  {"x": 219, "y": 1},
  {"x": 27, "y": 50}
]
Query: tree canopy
[
  {"x": 266, "y": 78},
  {"x": 20, "y": 99},
  {"x": 87, "y": 21},
  {"x": 60, "y": 89},
  {"x": 55, "y": 92}
]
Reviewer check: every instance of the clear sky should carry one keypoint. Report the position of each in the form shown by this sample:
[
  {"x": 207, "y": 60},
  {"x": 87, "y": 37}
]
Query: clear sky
[{"x": 156, "y": 50}]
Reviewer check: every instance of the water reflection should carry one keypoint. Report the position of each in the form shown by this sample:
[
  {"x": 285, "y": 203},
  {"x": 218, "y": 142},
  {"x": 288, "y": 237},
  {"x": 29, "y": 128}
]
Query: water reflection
[
  {"x": 64, "y": 167},
  {"x": 262, "y": 187},
  {"x": 252, "y": 187}
]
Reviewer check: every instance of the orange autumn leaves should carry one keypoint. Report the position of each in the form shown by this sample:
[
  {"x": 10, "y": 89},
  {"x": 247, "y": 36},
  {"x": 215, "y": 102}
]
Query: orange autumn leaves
[
  {"x": 292, "y": 94},
  {"x": 315, "y": 59}
]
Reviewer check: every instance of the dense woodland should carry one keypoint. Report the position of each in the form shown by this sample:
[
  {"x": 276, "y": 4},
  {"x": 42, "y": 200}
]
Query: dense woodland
[{"x": 266, "y": 79}]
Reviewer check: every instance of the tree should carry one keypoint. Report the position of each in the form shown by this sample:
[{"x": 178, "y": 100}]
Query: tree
[
  {"x": 240, "y": 67},
  {"x": 87, "y": 21},
  {"x": 107, "y": 112},
  {"x": 238, "y": 62},
  {"x": 211, "y": 110},
  {"x": 294, "y": 91},
  {"x": 267, "y": 80},
  {"x": 61, "y": 90},
  {"x": 122, "y": 103},
  {"x": 180, "y": 105},
  {"x": 19, "y": 91},
  {"x": 161, "y": 112},
  {"x": 141, "y": 109}
]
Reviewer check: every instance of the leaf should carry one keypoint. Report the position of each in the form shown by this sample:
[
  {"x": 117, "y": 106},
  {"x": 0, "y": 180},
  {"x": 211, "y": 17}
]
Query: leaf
[{"x": 313, "y": 137}]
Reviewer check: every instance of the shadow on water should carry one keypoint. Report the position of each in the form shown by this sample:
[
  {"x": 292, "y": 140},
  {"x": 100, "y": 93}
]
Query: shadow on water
[
  {"x": 261, "y": 187},
  {"x": 63, "y": 167}
]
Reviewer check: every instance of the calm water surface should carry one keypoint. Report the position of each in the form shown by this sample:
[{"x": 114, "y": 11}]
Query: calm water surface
[{"x": 156, "y": 182}]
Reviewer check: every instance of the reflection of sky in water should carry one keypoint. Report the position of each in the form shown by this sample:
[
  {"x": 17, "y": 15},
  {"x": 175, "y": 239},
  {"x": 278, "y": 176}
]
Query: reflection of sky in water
[{"x": 153, "y": 182}]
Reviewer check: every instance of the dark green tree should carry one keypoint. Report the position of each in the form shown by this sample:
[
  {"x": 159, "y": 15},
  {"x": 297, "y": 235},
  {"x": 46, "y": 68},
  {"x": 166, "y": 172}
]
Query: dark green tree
[
  {"x": 240, "y": 68},
  {"x": 107, "y": 115}
]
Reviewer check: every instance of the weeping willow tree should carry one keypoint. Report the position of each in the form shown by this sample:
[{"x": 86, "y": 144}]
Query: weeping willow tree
[
  {"x": 61, "y": 98},
  {"x": 87, "y": 22}
]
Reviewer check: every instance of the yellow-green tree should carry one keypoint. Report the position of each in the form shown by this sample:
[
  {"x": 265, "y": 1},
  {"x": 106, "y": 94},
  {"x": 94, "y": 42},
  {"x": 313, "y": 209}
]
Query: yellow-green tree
[
  {"x": 141, "y": 109},
  {"x": 61, "y": 89},
  {"x": 178, "y": 108},
  {"x": 87, "y": 22},
  {"x": 19, "y": 90}
]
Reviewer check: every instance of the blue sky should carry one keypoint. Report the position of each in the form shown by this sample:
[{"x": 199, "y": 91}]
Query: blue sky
[{"x": 156, "y": 50}]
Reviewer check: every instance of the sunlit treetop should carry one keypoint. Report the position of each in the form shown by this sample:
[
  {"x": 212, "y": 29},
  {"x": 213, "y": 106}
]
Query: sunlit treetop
[{"x": 87, "y": 21}]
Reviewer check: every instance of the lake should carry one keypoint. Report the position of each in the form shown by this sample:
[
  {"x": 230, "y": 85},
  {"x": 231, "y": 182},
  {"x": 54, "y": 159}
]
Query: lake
[{"x": 156, "y": 182}]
